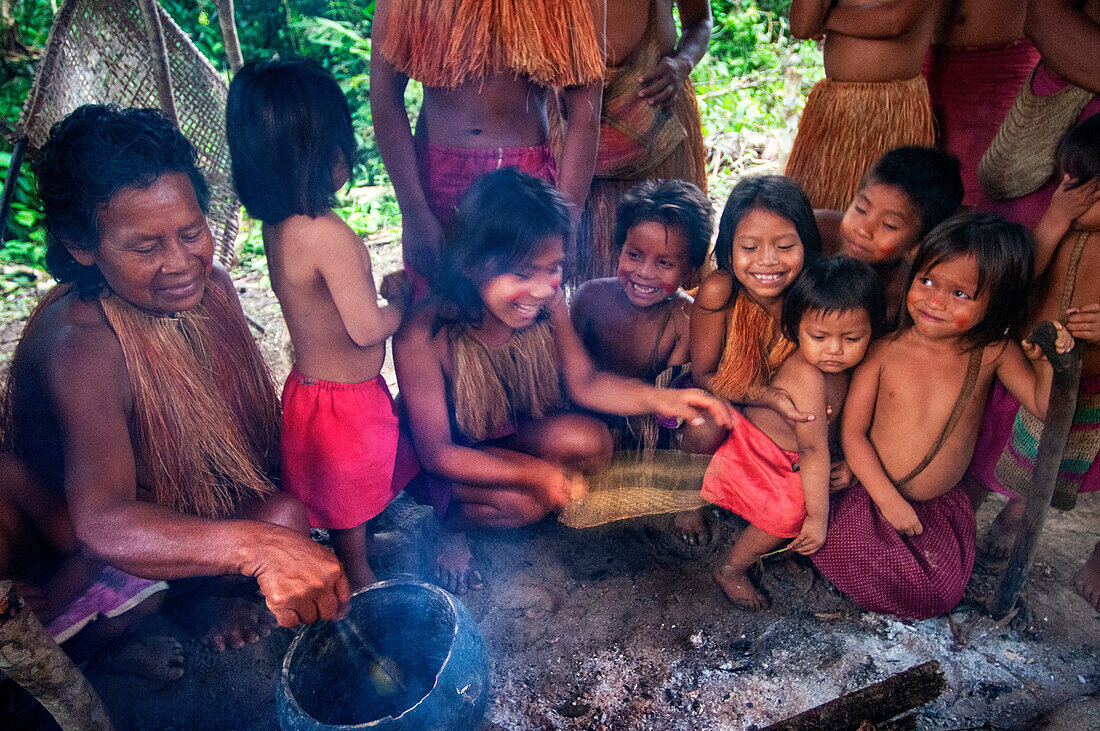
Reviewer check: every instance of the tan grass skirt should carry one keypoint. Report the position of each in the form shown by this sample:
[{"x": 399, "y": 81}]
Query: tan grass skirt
[{"x": 846, "y": 126}]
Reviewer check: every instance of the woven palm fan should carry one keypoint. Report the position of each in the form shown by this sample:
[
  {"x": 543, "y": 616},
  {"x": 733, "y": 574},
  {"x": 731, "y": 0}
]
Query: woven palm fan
[{"x": 132, "y": 54}]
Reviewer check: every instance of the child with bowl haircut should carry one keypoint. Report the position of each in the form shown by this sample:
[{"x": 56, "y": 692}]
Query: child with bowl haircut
[
  {"x": 1067, "y": 288},
  {"x": 292, "y": 144},
  {"x": 636, "y": 324},
  {"x": 906, "y": 193},
  {"x": 775, "y": 473}
]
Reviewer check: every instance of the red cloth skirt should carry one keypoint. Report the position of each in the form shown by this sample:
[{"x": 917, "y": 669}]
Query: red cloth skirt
[
  {"x": 447, "y": 172},
  {"x": 996, "y": 433},
  {"x": 972, "y": 90},
  {"x": 883, "y": 571},
  {"x": 752, "y": 476},
  {"x": 342, "y": 453}
]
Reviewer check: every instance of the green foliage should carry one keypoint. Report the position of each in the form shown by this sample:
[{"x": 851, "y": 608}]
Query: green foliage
[{"x": 740, "y": 83}]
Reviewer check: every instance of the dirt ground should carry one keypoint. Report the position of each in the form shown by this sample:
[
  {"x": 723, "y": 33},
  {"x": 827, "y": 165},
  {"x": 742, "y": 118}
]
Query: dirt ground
[{"x": 617, "y": 628}]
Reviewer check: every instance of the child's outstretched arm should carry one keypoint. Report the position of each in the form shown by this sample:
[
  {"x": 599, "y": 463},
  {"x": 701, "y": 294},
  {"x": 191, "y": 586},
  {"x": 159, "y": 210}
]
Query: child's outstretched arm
[
  {"x": 814, "y": 464},
  {"x": 859, "y": 410},
  {"x": 420, "y": 231},
  {"x": 1030, "y": 382},
  {"x": 876, "y": 20},
  {"x": 807, "y": 17},
  {"x": 344, "y": 263},
  {"x": 611, "y": 394},
  {"x": 423, "y": 390},
  {"x": 1063, "y": 33},
  {"x": 1069, "y": 201}
]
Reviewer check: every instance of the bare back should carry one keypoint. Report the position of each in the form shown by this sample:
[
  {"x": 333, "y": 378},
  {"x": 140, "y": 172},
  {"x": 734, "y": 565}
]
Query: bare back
[
  {"x": 968, "y": 23},
  {"x": 298, "y": 251}
]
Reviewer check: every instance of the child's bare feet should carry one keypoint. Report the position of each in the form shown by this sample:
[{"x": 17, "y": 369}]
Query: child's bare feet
[
  {"x": 740, "y": 589},
  {"x": 1002, "y": 534},
  {"x": 691, "y": 527},
  {"x": 452, "y": 564},
  {"x": 1087, "y": 581},
  {"x": 221, "y": 622},
  {"x": 156, "y": 658}
]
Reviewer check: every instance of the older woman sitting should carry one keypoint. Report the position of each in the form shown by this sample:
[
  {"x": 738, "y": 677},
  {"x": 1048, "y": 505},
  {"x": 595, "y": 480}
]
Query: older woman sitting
[{"x": 142, "y": 427}]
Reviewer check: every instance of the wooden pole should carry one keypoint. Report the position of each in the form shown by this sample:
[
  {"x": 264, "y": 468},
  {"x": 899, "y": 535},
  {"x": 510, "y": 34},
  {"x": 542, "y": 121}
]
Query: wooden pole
[
  {"x": 227, "y": 21},
  {"x": 1063, "y": 402},
  {"x": 875, "y": 703},
  {"x": 31, "y": 658},
  {"x": 10, "y": 180},
  {"x": 154, "y": 36}
]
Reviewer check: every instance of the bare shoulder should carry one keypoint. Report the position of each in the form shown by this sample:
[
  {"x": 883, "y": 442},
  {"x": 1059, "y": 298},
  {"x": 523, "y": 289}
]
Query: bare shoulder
[
  {"x": 714, "y": 293},
  {"x": 995, "y": 353},
  {"x": 78, "y": 352},
  {"x": 799, "y": 378},
  {"x": 220, "y": 278},
  {"x": 592, "y": 295}
]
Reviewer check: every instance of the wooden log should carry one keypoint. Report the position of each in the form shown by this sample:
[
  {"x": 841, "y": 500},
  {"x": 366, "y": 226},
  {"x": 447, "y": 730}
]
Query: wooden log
[
  {"x": 30, "y": 657},
  {"x": 875, "y": 703},
  {"x": 1063, "y": 402}
]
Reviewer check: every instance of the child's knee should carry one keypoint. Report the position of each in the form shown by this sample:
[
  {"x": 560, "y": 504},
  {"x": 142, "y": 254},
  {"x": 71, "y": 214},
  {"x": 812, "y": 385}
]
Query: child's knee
[
  {"x": 280, "y": 509},
  {"x": 704, "y": 439},
  {"x": 583, "y": 443}
]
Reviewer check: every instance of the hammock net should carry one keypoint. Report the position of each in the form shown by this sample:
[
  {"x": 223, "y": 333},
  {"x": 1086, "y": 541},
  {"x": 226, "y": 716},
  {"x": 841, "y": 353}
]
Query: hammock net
[{"x": 98, "y": 53}]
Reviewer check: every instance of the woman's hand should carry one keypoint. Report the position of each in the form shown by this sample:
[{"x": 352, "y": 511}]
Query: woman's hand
[
  {"x": 559, "y": 488},
  {"x": 661, "y": 84},
  {"x": 1083, "y": 323}
]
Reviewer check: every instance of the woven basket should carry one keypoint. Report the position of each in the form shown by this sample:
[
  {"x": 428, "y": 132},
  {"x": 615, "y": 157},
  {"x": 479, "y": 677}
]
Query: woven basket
[{"x": 98, "y": 53}]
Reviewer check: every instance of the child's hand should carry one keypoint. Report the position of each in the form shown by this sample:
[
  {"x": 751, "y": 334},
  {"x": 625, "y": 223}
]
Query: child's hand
[
  {"x": 1083, "y": 323},
  {"x": 840, "y": 476},
  {"x": 560, "y": 488},
  {"x": 421, "y": 240},
  {"x": 812, "y": 535},
  {"x": 1063, "y": 344},
  {"x": 690, "y": 403},
  {"x": 901, "y": 515},
  {"x": 781, "y": 402},
  {"x": 1070, "y": 201},
  {"x": 397, "y": 289}
]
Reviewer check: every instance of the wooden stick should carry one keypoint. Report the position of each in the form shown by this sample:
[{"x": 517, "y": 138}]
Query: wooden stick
[
  {"x": 158, "y": 51},
  {"x": 1063, "y": 402},
  {"x": 31, "y": 658},
  {"x": 232, "y": 44},
  {"x": 875, "y": 703}
]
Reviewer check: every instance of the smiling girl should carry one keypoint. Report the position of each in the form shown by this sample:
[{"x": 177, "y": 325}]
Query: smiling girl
[
  {"x": 766, "y": 235},
  {"x": 485, "y": 367},
  {"x": 902, "y": 540}
]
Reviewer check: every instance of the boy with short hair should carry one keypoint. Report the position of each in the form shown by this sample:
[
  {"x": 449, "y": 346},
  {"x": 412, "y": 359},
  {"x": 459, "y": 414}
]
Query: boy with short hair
[
  {"x": 872, "y": 98},
  {"x": 486, "y": 80},
  {"x": 907, "y": 193},
  {"x": 636, "y": 324}
]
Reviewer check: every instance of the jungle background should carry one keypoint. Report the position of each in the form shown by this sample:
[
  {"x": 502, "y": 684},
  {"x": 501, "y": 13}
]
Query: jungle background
[{"x": 751, "y": 87}]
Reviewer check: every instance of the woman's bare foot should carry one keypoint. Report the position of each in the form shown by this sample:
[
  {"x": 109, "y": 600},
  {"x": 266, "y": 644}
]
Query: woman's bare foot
[
  {"x": 1087, "y": 581},
  {"x": 739, "y": 588},
  {"x": 156, "y": 658},
  {"x": 1002, "y": 534},
  {"x": 452, "y": 564},
  {"x": 691, "y": 527},
  {"x": 221, "y": 622}
]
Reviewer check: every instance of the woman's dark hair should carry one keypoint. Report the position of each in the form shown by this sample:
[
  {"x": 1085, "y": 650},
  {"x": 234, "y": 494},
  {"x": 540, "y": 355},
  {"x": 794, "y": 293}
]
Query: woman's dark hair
[
  {"x": 502, "y": 221},
  {"x": 89, "y": 157},
  {"x": 670, "y": 203},
  {"x": 288, "y": 126},
  {"x": 834, "y": 284},
  {"x": 1078, "y": 152},
  {"x": 1005, "y": 256},
  {"x": 778, "y": 194},
  {"x": 929, "y": 177}
]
